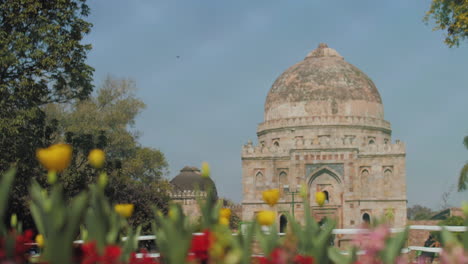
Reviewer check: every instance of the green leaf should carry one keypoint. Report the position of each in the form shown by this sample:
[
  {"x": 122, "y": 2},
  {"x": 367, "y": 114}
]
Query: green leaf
[
  {"x": 5, "y": 186},
  {"x": 394, "y": 246}
]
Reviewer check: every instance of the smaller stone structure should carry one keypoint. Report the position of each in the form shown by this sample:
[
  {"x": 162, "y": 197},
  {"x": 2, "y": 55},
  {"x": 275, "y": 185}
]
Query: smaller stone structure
[{"x": 187, "y": 187}]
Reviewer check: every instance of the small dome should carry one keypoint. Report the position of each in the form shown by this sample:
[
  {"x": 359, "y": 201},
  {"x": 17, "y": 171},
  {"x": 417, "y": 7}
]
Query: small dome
[
  {"x": 190, "y": 178},
  {"x": 323, "y": 84}
]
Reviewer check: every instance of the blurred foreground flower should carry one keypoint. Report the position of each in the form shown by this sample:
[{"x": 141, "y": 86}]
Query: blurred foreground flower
[
  {"x": 40, "y": 240},
  {"x": 271, "y": 197},
  {"x": 224, "y": 221},
  {"x": 125, "y": 210},
  {"x": 266, "y": 218},
  {"x": 225, "y": 212},
  {"x": 96, "y": 158},
  {"x": 205, "y": 170},
  {"x": 320, "y": 198},
  {"x": 224, "y": 216},
  {"x": 55, "y": 158},
  {"x": 200, "y": 245}
]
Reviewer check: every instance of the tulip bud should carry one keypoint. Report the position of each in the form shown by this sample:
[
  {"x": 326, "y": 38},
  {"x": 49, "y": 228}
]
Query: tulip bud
[
  {"x": 102, "y": 180},
  {"x": 320, "y": 198},
  {"x": 266, "y": 218},
  {"x": 205, "y": 170},
  {"x": 13, "y": 220},
  {"x": 125, "y": 210},
  {"x": 96, "y": 158},
  {"x": 224, "y": 221},
  {"x": 40, "y": 240},
  {"x": 271, "y": 197},
  {"x": 56, "y": 157}
]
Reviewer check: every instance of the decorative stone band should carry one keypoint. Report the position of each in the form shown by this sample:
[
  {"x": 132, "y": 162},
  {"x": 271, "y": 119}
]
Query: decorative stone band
[
  {"x": 186, "y": 194},
  {"x": 369, "y": 122},
  {"x": 251, "y": 151}
]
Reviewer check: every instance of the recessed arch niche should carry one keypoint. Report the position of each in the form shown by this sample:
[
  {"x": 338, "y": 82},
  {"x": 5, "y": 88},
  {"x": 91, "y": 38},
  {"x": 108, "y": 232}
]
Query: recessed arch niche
[{"x": 326, "y": 180}]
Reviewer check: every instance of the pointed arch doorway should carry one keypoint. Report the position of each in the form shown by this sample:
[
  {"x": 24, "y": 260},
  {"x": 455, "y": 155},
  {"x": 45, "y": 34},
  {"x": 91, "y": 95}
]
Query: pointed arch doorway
[{"x": 283, "y": 223}]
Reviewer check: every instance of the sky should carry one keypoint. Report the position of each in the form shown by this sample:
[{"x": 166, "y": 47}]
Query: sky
[{"x": 204, "y": 68}]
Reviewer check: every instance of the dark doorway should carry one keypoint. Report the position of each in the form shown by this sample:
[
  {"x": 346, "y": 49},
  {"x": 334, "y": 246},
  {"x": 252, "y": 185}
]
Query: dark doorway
[
  {"x": 366, "y": 218},
  {"x": 323, "y": 221},
  {"x": 327, "y": 197},
  {"x": 283, "y": 223}
]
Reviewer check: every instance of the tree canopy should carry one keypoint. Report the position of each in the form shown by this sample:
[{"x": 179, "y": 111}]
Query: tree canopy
[
  {"x": 463, "y": 178},
  {"x": 419, "y": 212},
  {"x": 450, "y": 16},
  {"x": 106, "y": 120},
  {"x": 42, "y": 60}
]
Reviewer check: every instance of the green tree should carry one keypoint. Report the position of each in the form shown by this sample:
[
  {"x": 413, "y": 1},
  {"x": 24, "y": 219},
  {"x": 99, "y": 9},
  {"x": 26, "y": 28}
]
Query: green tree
[
  {"x": 463, "y": 178},
  {"x": 42, "y": 60},
  {"x": 450, "y": 16},
  {"x": 419, "y": 212},
  {"x": 106, "y": 120},
  {"x": 450, "y": 221}
]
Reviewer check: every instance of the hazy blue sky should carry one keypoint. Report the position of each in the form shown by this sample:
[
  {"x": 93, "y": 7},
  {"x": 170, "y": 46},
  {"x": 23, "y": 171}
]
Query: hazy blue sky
[{"x": 205, "y": 104}]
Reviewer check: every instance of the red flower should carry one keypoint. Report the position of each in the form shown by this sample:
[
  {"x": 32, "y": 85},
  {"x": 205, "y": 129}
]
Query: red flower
[
  {"x": 277, "y": 256},
  {"x": 299, "y": 259},
  {"x": 91, "y": 256},
  {"x": 261, "y": 260},
  {"x": 22, "y": 243},
  {"x": 201, "y": 243},
  {"x": 111, "y": 254}
]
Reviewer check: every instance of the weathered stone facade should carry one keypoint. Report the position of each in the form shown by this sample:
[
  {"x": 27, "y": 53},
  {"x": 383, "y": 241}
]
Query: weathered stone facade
[
  {"x": 324, "y": 128},
  {"x": 187, "y": 188}
]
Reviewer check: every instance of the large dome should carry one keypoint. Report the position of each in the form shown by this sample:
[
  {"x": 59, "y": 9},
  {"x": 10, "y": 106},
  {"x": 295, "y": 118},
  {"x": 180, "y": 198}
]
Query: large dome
[{"x": 323, "y": 84}]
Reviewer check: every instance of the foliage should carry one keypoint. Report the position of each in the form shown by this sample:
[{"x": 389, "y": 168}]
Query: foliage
[
  {"x": 235, "y": 219},
  {"x": 42, "y": 60},
  {"x": 419, "y": 212},
  {"x": 450, "y": 221},
  {"x": 56, "y": 220},
  {"x": 463, "y": 178},
  {"x": 109, "y": 239},
  {"x": 450, "y": 16},
  {"x": 144, "y": 196},
  {"x": 104, "y": 121},
  {"x": 455, "y": 246}
]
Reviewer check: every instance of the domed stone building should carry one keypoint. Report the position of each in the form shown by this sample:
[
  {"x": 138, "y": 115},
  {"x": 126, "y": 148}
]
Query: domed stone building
[
  {"x": 187, "y": 186},
  {"x": 324, "y": 128}
]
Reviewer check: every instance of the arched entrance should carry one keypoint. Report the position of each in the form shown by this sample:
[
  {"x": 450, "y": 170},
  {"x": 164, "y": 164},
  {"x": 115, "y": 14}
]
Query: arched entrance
[
  {"x": 327, "y": 198},
  {"x": 283, "y": 224},
  {"x": 366, "y": 218},
  {"x": 329, "y": 182}
]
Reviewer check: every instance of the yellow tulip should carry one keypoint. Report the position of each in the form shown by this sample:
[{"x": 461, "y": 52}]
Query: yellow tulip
[
  {"x": 205, "y": 170},
  {"x": 225, "y": 212},
  {"x": 96, "y": 158},
  {"x": 224, "y": 221},
  {"x": 56, "y": 157},
  {"x": 40, "y": 240},
  {"x": 266, "y": 218},
  {"x": 271, "y": 197},
  {"x": 320, "y": 198},
  {"x": 125, "y": 210}
]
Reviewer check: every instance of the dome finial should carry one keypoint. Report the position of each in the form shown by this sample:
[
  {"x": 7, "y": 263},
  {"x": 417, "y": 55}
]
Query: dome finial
[
  {"x": 323, "y": 51},
  {"x": 322, "y": 45}
]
